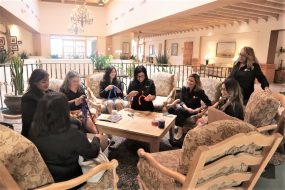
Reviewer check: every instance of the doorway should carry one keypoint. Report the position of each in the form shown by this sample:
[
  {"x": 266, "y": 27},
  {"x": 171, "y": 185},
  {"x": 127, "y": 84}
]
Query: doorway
[{"x": 187, "y": 53}]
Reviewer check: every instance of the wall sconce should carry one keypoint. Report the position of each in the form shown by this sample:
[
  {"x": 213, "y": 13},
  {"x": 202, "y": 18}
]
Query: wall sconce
[
  {"x": 207, "y": 58},
  {"x": 282, "y": 50}
]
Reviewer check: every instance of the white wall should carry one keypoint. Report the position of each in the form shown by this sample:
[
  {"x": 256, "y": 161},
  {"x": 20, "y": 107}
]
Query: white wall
[{"x": 280, "y": 56}]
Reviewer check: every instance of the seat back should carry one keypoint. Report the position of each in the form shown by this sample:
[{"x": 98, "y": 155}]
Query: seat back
[
  {"x": 164, "y": 83},
  {"x": 236, "y": 161},
  {"x": 55, "y": 84},
  {"x": 93, "y": 83},
  {"x": 212, "y": 86},
  {"x": 22, "y": 160}
]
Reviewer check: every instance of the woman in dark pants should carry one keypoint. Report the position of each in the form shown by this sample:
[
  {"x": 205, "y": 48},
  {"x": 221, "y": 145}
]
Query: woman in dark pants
[
  {"x": 38, "y": 86},
  {"x": 59, "y": 144},
  {"x": 189, "y": 104},
  {"x": 141, "y": 91},
  {"x": 246, "y": 70}
]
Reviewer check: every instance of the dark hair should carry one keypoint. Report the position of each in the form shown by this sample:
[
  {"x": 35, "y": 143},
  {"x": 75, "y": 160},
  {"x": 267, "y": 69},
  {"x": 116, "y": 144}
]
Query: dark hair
[
  {"x": 138, "y": 70},
  {"x": 51, "y": 116},
  {"x": 198, "y": 84},
  {"x": 66, "y": 83},
  {"x": 36, "y": 76},
  {"x": 108, "y": 71},
  {"x": 233, "y": 88}
]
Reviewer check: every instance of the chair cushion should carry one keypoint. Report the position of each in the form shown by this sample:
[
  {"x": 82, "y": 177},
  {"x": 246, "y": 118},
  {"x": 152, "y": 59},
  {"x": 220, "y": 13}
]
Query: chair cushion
[
  {"x": 207, "y": 135},
  {"x": 94, "y": 83},
  {"x": 158, "y": 102},
  {"x": 211, "y": 86},
  {"x": 152, "y": 178},
  {"x": 55, "y": 84},
  {"x": 22, "y": 159},
  {"x": 260, "y": 100},
  {"x": 164, "y": 83}
]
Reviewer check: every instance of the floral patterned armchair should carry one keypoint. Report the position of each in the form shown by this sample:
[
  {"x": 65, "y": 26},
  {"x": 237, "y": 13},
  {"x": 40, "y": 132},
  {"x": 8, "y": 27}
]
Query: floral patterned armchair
[
  {"x": 22, "y": 167},
  {"x": 222, "y": 155}
]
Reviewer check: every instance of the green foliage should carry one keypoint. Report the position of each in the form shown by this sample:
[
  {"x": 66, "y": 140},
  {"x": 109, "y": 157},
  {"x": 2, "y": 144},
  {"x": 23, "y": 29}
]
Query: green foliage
[
  {"x": 24, "y": 55},
  {"x": 16, "y": 69},
  {"x": 54, "y": 56},
  {"x": 130, "y": 70},
  {"x": 4, "y": 56},
  {"x": 162, "y": 59},
  {"x": 101, "y": 62}
]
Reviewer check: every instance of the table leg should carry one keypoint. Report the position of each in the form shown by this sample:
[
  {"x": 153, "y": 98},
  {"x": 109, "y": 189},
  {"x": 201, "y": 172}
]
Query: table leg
[{"x": 154, "y": 145}]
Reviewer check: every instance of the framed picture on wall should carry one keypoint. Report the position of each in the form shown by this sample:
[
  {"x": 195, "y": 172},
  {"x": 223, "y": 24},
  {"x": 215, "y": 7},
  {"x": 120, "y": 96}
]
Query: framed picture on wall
[
  {"x": 13, "y": 39},
  {"x": 14, "y": 47},
  {"x": 126, "y": 47},
  {"x": 174, "y": 49},
  {"x": 19, "y": 42},
  {"x": 2, "y": 41},
  {"x": 226, "y": 49}
]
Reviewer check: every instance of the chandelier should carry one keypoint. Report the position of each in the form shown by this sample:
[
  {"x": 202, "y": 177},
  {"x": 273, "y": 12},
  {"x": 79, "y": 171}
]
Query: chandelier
[{"x": 80, "y": 17}]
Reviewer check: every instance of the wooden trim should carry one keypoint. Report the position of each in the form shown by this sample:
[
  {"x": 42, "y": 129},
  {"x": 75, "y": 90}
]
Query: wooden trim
[{"x": 164, "y": 170}]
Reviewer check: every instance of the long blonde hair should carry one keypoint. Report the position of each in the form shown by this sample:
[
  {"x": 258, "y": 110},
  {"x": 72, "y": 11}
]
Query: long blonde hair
[{"x": 250, "y": 57}]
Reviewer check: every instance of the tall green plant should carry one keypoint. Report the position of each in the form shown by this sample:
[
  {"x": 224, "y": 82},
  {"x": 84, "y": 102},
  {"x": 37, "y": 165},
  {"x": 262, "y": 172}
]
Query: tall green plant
[
  {"x": 3, "y": 56},
  {"x": 16, "y": 69},
  {"x": 101, "y": 61},
  {"x": 162, "y": 59}
]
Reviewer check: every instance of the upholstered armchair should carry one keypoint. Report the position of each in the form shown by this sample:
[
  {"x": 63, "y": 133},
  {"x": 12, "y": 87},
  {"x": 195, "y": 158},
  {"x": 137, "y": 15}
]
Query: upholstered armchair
[
  {"x": 165, "y": 84},
  {"x": 22, "y": 167},
  {"x": 221, "y": 155}
]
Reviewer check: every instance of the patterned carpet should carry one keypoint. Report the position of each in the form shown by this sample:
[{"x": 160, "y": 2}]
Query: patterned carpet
[{"x": 125, "y": 151}]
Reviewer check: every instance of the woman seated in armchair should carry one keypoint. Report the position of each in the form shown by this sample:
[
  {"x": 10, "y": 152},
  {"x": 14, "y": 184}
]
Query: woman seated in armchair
[
  {"x": 231, "y": 101},
  {"x": 59, "y": 144},
  {"x": 188, "y": 105},
  {"x": 111, "y": 90},
  {"x": 77, "y": 99}
]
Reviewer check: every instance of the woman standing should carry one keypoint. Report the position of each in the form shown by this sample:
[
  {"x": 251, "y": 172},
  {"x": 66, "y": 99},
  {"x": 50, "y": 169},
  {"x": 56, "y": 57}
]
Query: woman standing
[
  {"x": 111, "y": 90},
  {"x": 77, "y": 99},
  {"x": 190, "y": 104},
  {"x": 58, "y": 143},
  {"x": 141, "y": 91},
  {"x": 38, "y": 86},
  {"x": 246, "y": 70}
]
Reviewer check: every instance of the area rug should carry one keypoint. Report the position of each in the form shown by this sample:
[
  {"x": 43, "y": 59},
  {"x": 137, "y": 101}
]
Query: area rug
[{"x": 125, "y": 151}]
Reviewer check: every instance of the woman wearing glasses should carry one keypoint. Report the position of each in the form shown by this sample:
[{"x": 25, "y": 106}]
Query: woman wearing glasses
[
  {"x": 246, "y": 69},
  {"x": 141, "y": 91}
]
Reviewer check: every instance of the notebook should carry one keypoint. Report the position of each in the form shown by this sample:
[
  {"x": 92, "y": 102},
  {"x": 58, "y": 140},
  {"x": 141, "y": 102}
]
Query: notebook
[{"x": 110, "y": 118}]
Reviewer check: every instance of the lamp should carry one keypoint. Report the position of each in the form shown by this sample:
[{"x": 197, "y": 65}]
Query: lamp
[
  {"x": 80, "y": 17},
  {"x": 101, "y": 3},
  {"x": 207, "y": 57}
]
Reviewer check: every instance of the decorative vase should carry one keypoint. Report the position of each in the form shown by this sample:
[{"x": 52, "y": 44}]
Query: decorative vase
[{"x": 13, "y": 103}]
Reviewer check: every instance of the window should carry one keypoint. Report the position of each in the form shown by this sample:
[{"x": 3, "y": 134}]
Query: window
[{"x": 72, "y": 47}]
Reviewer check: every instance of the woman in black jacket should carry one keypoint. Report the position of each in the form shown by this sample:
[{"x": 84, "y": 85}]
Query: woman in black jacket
[
  {"x": 189, "y": 104},
  {"x": 111, "y": 90},
  {"x": 246, "y": 70},
  {"x": 38, "y": 86},
  {"x": 58, "y": 143},
  {"x": 141, "y": 91}
]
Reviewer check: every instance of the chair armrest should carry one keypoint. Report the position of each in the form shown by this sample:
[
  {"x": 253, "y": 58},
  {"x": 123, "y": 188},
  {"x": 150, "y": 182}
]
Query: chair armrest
[
  {"x": 6, "y": 180},
  {"x": 267, "y": 128},
  {"x": 216, "y": 115},
  {"x": 80, "y": 179},
  {"x": 7, "y": 116},
  {"x": 164, "y": 170},
  {"x": 171, "y": 94}
]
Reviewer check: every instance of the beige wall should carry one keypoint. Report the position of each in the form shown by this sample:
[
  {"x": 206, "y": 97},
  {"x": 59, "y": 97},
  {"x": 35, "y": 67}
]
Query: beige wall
[
  {"x": 280, "y": 56},
  {"x": 117, "y": 43}
]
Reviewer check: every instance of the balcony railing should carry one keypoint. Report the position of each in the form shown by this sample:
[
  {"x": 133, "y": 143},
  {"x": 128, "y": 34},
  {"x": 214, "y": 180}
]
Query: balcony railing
[{"x": 125, "y": 72}]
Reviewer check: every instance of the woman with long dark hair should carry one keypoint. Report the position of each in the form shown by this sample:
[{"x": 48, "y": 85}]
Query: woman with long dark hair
[
  {"x": 141, "y": 91},
  {"x": 189, "y": 104},
  {"x": 111, "y": 90},
  {"x": 77, "y": 99},
  {"x": 58, "y": 143},
  {"x": 38, "y": 86}
]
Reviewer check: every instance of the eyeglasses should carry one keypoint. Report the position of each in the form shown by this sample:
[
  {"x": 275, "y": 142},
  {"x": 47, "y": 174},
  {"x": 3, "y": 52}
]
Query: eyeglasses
[
  {"x": 140, "y": 76},
  {"x": 242, "y": 55}
]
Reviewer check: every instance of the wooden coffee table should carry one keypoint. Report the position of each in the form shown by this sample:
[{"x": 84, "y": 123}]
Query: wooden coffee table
[{"x": 136, "y": 125}]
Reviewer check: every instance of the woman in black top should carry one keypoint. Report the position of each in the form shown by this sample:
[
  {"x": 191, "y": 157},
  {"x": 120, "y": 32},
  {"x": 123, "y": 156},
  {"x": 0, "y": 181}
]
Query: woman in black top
[
  {"x": 141, "y": 91},
  {"x": 246, "y": 70},
  {"x": 190, "y": 104},
  {"x": 75, "y": 94},
  {"x": 58, "y": 143},
  {"x": 38, "y": 86},
  {"x": 111, "y": 90}
]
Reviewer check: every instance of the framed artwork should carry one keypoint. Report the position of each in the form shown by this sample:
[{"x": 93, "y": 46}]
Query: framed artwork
[
  {"x": 126, "y": 47},
  {"x": 14, "y": 47},
  {"x": 174, "y": 49},
  {"x": 226, "y": 49},
  {"x": 2, "y": 41},
  {"x": 19, "y": 42},
  {"x": 13, "y": 39},
  {"x": 151, "y": 50}
]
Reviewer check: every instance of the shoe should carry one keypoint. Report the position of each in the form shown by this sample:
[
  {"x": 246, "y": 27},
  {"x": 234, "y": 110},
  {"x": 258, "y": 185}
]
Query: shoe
[{"x": 176, "y": 143}]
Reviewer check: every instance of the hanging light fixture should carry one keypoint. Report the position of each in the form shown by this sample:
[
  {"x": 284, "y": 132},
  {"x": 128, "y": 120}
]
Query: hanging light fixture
[
  {"x": 80, "y": 17},
  {"x": 101, "y": 3}
]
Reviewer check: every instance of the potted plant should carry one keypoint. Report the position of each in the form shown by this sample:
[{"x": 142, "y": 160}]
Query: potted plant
[
  {"x": 163, "y": 61},
  {"x": 101, "y": 62},
  {"x": 3, "y": 56},
  {"x": 13, "y": 101}
]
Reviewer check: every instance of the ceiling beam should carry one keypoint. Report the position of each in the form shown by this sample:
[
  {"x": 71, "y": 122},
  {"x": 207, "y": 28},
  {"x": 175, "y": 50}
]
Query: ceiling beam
[
  {"x": 261, "y": 7},
  {"x": 236, "y": 15},
  {"x": 266, "y": 3},
  {"x": 246, "y": 13}
]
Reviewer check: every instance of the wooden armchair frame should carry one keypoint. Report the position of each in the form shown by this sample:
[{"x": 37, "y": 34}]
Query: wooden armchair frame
[
  {"x": 7, "y": 181},
  {"x": 257, "y": 163}
]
